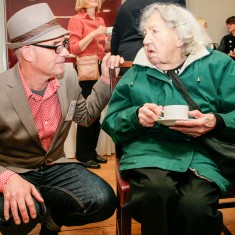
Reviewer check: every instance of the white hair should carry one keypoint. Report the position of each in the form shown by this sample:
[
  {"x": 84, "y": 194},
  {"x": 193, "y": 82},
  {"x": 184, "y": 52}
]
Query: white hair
[{"x": 180, "y": 19}]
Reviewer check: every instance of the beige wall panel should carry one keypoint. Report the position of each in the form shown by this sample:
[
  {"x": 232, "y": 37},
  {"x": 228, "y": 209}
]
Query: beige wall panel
[{"x": 216, "y": 12}]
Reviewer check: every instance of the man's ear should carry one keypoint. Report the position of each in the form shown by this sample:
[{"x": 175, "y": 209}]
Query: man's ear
[{"x": 27, "y": 53}]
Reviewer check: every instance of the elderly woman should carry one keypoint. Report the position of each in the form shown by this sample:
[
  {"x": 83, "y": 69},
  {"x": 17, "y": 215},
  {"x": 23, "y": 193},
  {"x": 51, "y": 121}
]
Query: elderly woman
[{"x": 175, "y": 183}]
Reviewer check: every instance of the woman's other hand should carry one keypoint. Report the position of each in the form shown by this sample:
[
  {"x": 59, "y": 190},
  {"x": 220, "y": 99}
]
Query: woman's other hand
[
  {"x": 201, "y": 124},
  {"x": 100, "y": 31}
]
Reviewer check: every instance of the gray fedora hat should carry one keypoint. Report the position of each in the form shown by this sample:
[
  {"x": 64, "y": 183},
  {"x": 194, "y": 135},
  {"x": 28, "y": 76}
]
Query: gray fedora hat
[{"x": 33, "y": 24}]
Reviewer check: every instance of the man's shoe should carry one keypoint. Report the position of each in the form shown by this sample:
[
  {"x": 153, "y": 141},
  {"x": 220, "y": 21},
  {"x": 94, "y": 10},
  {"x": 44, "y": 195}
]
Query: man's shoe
[
  {"x": 92, "y": 164},
  {"x": 46, "y": 231},
  {"x": 101, "y": 159},
  {"x": 49, "y": 227}
]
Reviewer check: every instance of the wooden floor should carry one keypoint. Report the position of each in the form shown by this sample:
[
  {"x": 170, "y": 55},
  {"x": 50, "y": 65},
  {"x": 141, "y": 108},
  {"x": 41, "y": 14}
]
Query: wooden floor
[{"x": 108, "y": 227}]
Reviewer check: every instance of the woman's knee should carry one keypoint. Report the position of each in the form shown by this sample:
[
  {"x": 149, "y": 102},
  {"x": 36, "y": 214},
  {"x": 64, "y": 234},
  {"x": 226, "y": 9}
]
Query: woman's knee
[
  {"x": 197, "y": 206},
  {"x": 200, "y": 197},
  {"x": 155, "y": 190}
]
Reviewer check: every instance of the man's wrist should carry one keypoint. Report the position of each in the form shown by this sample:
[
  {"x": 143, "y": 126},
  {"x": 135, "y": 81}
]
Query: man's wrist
[
  {"x": 105, "y": 80},
  {"x": 4, "y": 176}
]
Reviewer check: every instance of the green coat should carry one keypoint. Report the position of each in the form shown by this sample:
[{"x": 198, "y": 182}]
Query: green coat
[{"x": 209, "y": 76}]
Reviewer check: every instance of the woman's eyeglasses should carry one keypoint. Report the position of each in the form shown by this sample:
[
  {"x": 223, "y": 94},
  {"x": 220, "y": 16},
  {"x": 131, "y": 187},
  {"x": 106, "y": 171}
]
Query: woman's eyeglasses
[{"x": 58, "y": 49}]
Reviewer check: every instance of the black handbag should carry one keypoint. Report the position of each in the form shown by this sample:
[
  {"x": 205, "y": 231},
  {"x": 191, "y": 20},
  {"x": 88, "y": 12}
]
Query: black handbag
[{"x": 222, "y": 151}]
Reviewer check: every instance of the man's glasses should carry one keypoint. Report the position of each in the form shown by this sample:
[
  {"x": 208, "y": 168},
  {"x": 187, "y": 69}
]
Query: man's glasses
[{"x": 58, "y": 49}]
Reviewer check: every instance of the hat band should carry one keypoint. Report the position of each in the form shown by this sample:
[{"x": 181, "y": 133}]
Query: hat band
[{"x": 34, "y": 32}]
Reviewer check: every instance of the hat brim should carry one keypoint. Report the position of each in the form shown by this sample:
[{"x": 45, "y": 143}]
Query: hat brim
[{"x": 52, "y": 33}]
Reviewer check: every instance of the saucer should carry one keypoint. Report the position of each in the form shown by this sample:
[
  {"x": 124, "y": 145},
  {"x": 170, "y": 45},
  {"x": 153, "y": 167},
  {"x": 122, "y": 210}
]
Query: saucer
[{"x": 169, "y": 122}]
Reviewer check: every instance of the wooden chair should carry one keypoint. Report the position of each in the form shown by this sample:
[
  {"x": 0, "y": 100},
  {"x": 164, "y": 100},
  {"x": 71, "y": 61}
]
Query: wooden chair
[
  {"x": 113, "y": 78},
  {"x": 123, "y": 221}
]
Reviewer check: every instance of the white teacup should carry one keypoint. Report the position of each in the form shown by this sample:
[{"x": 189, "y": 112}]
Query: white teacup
[{"x": 174, "y": 112}]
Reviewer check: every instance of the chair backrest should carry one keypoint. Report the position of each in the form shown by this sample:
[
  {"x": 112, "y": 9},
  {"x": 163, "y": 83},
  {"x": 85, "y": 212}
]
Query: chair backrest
[
  {"x": 113, "y": 82},
  {"x": 213, "y": 45},
  {"x": 123, "y": 220},
  {"x": 115, "y": 78}
]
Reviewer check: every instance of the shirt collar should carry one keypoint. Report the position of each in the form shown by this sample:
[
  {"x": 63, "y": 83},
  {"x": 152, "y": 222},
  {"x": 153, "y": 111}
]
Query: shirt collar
[
  {"x": 84, "y": 14},
  {"x": 53, "y": 86},
  {"x": 142, "y": 59}
]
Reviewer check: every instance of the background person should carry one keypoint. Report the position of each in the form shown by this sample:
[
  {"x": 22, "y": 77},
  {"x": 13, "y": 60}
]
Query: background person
[
  {"x": 41, "y": 97},
  {"x": 126, "y": 38},
  {"x": 207, "y": 38},
  {"x": 227, "y": 43},
  {"x": 175, "y": 184},
  {"x": 87, "y": 37}
]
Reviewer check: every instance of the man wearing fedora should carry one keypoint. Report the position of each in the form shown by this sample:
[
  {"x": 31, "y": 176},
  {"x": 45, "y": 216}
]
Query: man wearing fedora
[{"x": 40, "y": 97}]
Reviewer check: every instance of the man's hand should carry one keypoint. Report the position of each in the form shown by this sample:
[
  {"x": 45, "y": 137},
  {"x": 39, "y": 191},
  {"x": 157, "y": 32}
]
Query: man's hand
[
  {"x": 110, "y": 61},
  {"x": 18, "y": 196},
  {"x": 232, "y": 54}
]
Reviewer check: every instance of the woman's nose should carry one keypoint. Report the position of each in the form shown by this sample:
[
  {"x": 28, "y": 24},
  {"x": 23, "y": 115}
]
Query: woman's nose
[{"x": 147, "y": 39}]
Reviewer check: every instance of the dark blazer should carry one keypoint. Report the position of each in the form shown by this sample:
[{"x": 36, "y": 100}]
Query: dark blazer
[
  {"x": 126, "y": 39},
  {"x": 227, "y": 44},
  {"x": 20, "y": 146}
]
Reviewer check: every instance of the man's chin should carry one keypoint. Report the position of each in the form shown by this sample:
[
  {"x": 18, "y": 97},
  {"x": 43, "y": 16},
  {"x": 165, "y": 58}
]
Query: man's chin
[
  {"x": 60, "y": 68},
  {"x": 59, "y": 72}
]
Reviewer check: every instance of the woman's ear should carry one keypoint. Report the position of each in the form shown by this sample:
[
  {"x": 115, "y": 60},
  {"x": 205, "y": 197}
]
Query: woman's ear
[{"x": 179, "y": 42}]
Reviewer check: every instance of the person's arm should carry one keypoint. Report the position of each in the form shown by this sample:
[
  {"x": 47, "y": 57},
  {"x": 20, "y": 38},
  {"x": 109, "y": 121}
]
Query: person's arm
[
  {"x": 78, "y": 43},
  {"x": 115, "y": 40},
  {"x": 221, "y": 121},
  {"x": 83, "y": 44},
  {"x": 87, "y": 110},
  {"x": 222, "y": 45},
  {"x": 122, "y": 121}
]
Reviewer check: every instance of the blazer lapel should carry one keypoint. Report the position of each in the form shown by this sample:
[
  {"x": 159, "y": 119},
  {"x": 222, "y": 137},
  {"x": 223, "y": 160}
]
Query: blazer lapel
[
  {"x": 19, "y": 101},
  {"x": 63, "y": 104}
]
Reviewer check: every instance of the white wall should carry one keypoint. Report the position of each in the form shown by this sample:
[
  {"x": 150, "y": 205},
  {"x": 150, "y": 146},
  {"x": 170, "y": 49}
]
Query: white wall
[
  {"x": 215, "y": 12},
  {"x": 3, "y": 60}
]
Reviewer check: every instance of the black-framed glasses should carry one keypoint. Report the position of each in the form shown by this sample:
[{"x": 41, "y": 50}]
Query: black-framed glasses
[{"x": 58, "y": 49}]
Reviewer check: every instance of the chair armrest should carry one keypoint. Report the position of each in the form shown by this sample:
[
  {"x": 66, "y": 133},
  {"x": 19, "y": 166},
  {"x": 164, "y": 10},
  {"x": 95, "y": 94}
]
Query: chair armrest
[{"x": 123, "y": 185}]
